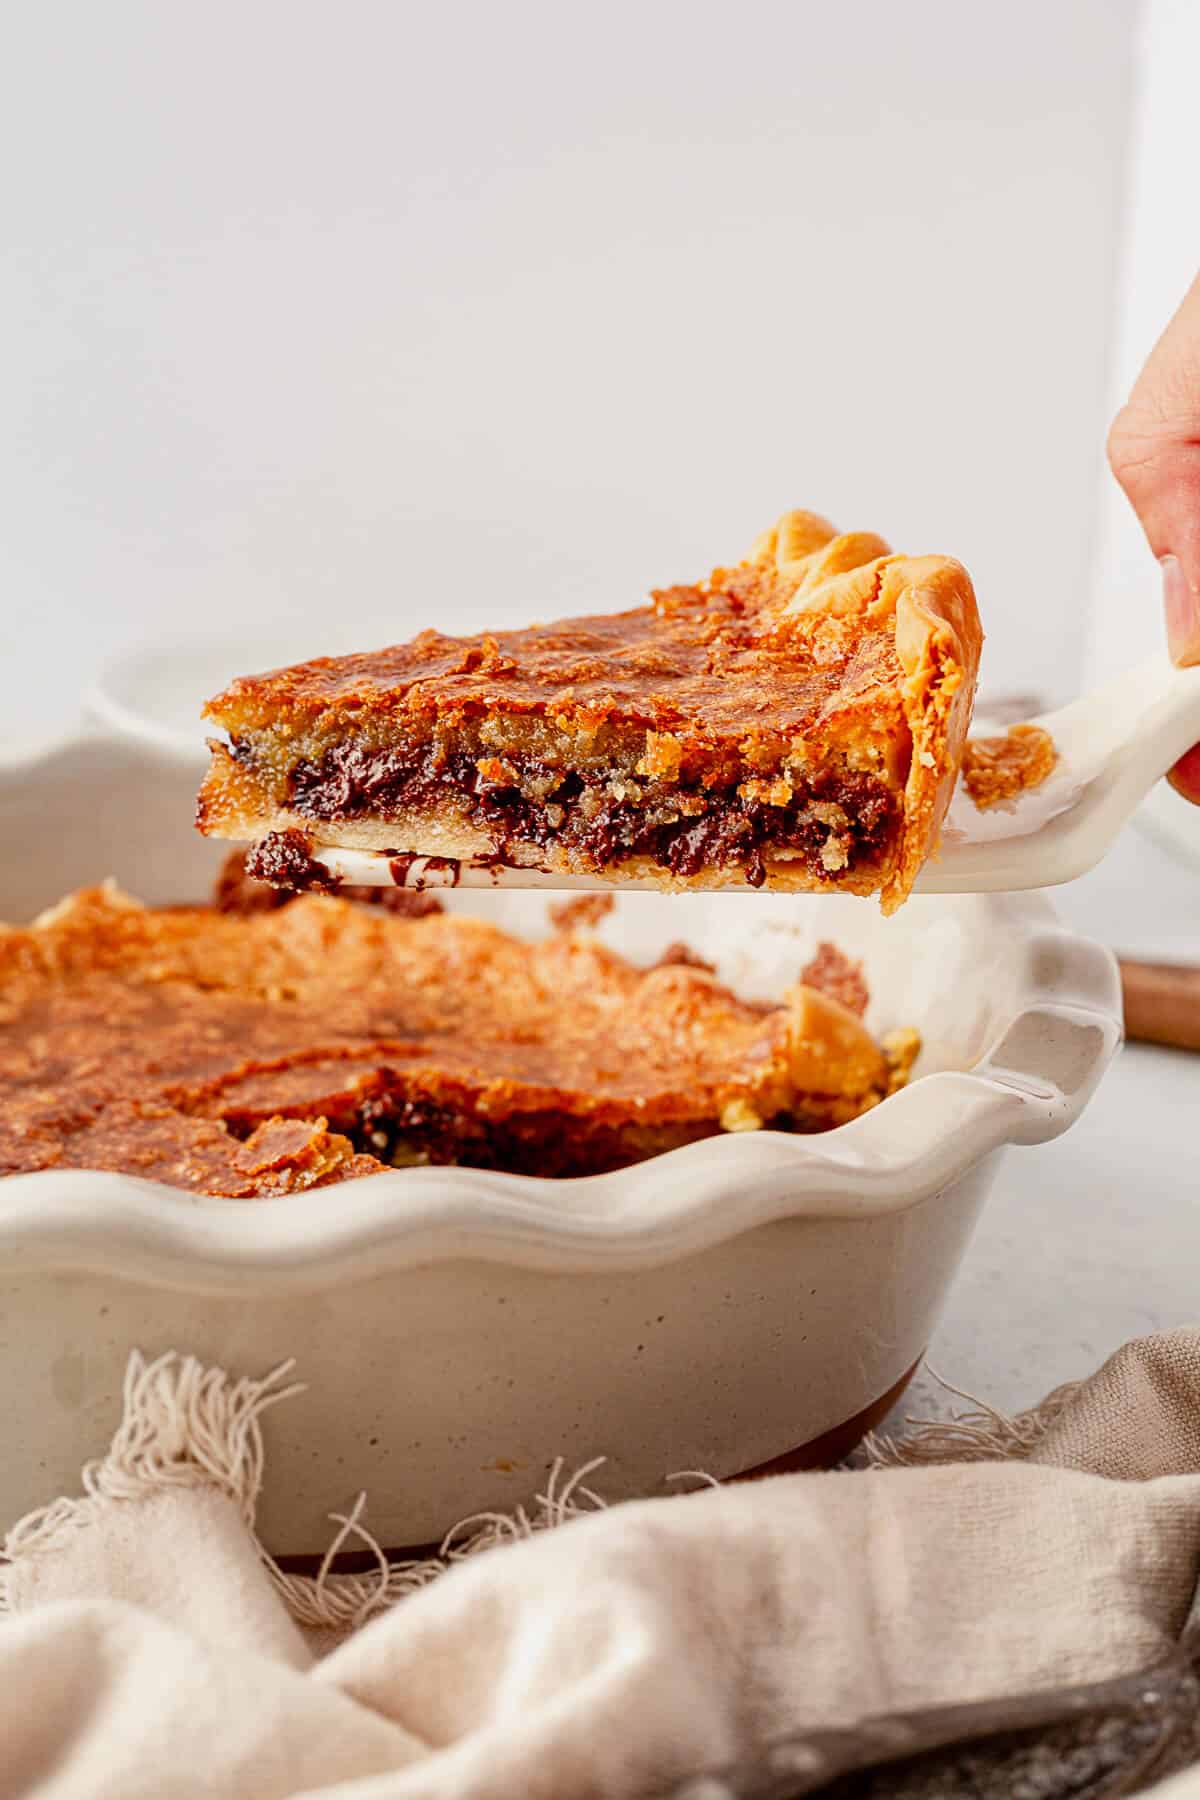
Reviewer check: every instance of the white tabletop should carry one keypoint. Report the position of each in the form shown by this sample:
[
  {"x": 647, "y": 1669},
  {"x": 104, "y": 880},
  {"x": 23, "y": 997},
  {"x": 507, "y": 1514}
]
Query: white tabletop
[{"x": 1095, "y": 1238}]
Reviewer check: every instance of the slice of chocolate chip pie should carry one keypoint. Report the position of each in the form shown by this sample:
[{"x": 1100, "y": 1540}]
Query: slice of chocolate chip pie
[{"x": 794, "y": 722}]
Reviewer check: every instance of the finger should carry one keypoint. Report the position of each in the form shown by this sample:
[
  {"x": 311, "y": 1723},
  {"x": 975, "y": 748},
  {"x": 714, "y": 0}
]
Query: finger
[
  {"x": 1154, "y": 449},
  {"x": 1181, "y": 603},
  {"x": 1182, "y": 606},
  {"x": 1185, "y": 776}
]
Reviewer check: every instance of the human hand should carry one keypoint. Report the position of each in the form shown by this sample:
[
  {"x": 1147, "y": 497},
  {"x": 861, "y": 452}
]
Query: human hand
[{"x": 1154, "y": 452}]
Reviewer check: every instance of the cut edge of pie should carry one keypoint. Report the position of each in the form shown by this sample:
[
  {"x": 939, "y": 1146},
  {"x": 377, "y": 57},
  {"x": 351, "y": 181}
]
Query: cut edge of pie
[
  {"x": 939, "y": 641},
  {"x": 264, "y": 1053},
  {"x": 795, "y": 722}
]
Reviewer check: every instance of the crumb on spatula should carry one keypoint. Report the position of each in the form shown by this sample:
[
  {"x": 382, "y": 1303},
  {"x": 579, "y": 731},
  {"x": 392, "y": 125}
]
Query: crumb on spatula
[{"x": 996, "y": 769}]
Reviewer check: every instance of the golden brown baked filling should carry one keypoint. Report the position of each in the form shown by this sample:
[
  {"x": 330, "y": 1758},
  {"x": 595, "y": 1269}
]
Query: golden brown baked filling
[{"x": 265, "y": 1049}]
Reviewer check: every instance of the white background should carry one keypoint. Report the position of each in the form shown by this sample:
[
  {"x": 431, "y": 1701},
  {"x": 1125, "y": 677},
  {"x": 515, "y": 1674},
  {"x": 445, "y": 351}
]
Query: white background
[{"x": 323, "y": 322}]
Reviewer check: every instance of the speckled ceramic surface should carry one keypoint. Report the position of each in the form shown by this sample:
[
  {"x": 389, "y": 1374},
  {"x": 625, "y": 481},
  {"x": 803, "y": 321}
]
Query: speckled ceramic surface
[{"x": 712, "y": 1308}]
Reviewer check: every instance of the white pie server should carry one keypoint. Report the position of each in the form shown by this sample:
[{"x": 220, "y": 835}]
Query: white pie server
[{"x": 1113, "y": 745}]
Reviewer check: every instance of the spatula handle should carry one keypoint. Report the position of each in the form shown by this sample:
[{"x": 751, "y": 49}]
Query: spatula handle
[{"x": 1162, "y": 1003}]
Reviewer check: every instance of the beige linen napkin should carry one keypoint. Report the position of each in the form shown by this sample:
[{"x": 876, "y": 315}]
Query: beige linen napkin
[
  {"x": 151, "y": 1649},
  {"x": 1182, "y": 1787}
]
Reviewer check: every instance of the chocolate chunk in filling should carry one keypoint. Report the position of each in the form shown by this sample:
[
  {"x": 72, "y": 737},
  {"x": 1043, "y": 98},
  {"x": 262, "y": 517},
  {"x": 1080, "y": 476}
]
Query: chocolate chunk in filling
[{"x": 285, "y": 859}]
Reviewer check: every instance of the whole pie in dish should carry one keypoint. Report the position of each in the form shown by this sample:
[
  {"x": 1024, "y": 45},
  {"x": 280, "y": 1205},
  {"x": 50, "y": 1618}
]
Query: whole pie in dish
[
  {"x": 796, "y": 721},
  {"x": 257, "y": 1052}
]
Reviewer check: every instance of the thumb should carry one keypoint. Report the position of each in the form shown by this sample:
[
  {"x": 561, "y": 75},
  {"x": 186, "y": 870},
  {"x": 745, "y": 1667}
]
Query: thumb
[
  {"x": 1185, "y": 776},
  {"x": 1154, "y": 451}
]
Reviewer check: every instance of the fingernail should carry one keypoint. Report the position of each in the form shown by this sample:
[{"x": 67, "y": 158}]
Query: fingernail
[
  {"x": 1185, "y": 776},
  {"x": 1181, "y": 602}
]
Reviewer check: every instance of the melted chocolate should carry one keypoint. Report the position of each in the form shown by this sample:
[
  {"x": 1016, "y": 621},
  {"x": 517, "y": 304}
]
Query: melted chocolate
[
  {"x": 401, "y": 865},
  {"x": 236, "y": 891},
  {"x": 400, "y": 1128},
  {"x": 284, "y": 859},
  {"x": 351, "y": 781}
]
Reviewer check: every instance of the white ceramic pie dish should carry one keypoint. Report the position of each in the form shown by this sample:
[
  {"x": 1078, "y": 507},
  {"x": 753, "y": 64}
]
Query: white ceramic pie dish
[{"x": 714, "y": 1308}]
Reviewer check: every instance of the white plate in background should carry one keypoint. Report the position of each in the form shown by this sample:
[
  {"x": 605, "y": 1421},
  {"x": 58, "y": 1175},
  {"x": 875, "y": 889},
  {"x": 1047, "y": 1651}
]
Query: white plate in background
[{"x": 157, "y": 692}]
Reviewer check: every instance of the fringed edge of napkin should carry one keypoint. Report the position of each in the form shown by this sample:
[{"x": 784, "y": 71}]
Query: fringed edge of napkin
[
  {"x": 185, "y": 1425},
  {"x": 979, "y": 1435}
]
